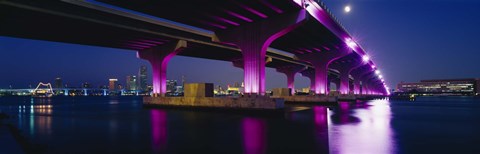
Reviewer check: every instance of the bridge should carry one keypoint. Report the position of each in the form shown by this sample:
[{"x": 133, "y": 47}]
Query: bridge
[{"x": 292, "y": 36}]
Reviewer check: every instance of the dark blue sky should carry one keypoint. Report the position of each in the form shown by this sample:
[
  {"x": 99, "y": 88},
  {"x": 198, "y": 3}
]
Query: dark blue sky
[{"x": 409, "y": 40}]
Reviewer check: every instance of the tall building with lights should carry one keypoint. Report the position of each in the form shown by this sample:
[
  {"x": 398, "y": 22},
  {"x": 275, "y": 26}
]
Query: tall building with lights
[
  {"x": 131, "y": 83},
  {"x": 142, "y": 78},
  {"x": 112, "y": 83},
  {"x": 58, "y": 83}
]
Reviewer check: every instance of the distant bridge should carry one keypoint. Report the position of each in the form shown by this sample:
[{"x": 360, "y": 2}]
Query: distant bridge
[{"x": 292, "y": 36}]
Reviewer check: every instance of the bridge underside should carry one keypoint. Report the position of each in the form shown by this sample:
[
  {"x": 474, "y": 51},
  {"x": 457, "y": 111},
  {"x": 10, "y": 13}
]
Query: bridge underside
[{"x": 82, "y": 22}]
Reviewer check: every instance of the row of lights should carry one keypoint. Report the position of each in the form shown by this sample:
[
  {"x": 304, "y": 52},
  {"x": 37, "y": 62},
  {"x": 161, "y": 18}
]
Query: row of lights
[{"x": 366, "y": 59}]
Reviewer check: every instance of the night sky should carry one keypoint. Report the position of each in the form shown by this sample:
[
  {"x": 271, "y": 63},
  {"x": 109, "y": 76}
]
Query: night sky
[{"x": 409, "y": 40}]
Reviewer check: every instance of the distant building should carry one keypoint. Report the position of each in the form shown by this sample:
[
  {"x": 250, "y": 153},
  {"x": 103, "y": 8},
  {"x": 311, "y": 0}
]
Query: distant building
[
  {"x": 58, "y": 83},
  {"x": 171, "y": 85},
  {"x": 112, "y": 83},
  {"x": 131, "y": 83},
  {"x": 447, "y": 87},
  {"x": 86, "y": 85},
  {"x": 142, "y": 78}
]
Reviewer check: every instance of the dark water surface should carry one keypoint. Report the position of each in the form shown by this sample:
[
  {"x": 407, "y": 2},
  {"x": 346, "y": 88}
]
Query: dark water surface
[{"x": 122, "y": 125}]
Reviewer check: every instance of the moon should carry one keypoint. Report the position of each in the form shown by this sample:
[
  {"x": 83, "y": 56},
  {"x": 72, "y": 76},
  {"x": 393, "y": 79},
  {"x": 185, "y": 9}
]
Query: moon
[{"x": 347, "y": 9}]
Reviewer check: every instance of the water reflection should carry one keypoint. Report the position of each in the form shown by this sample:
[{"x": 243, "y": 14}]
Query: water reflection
[
  {"x": 254, "y": 136},
  {"x": 343, "y": 113},
  {"x": 321, "y": 128},
  {"x": 159, "y": 130},
  {"x": 371, "y": 134}
]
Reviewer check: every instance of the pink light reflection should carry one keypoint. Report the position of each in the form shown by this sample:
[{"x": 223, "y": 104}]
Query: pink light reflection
[
  {"x": 321, "y": 128},
  {"x": 159, "y": 130},
  {"x": 254, "y": 136},
  {"x": 372, "y": 134}
]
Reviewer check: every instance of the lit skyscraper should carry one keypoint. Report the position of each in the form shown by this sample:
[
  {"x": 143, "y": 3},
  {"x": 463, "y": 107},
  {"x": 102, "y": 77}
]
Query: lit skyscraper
[
  {"x": 131, "y": 83},
  {"x": 58, "y": 83},
  {"x": 142, "y": 78},
  {"x": 112, "y": 84}
]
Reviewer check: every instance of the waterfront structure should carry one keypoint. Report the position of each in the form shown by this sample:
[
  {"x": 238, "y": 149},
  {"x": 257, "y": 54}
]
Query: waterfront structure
[
  {"x": 443, "y": 86},
  {"x": 252, "y": 35},
  {"x": 112, "y": 84},
  {"x": 142, "y": 78},
  {"x": 131, "y": 83}
]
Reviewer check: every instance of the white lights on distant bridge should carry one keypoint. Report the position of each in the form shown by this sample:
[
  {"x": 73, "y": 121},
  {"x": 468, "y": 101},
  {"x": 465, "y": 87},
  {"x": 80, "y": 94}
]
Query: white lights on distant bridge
[{"x": 377, "y": 72}]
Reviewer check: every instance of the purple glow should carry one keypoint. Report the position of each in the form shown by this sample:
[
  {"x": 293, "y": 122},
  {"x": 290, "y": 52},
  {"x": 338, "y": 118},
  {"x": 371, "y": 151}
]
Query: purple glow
[
  {"x": 151, "y": 41},
  {"x": 326, "y": 48},
  {"x": 214, "y": 25},
  {"x": 350, "y": 43},
  {"x": 253, "y": 11},
  {"x": 374, "y": 129},
  {"x": 159, "y": 130},
  {"x": 366, "y": 58},
  {"x": 225, "y": 20},
  {"x": 321, "y": 73},
  {"x": 239, "y": 16},
  {"x": 254, "y": 57},
  {"x": 137, "y": 45},
  {"x": 271, "y": 6},
  {"x": 159, "y": 58},
  {"x": 254, "y": 136},
  {"x": 142, "y": 43},
  {"x": 320, "y": 115}
]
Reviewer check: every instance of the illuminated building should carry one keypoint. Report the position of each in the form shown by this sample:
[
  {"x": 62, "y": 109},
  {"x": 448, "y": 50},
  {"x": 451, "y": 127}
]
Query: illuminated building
[
  {"x": 171, "y": 85},
  {"x": 86, "y": 85},
  {"x": 142, "y": 78},
  {"x": 445, "y": 87},
  {"x": 58, "y": 83},
  {"x": 131, "y": 83},
  {"x": 112, "y": 83}
]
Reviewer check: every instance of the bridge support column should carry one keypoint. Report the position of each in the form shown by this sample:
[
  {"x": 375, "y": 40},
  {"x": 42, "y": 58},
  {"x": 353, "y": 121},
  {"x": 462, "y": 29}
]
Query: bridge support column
[
  {"x": 159, "y": 57},
  {"x": 253, "y": 40},
  {"x": 345, "y": 65},
  {"x": 321, "y": 61},
  {"x": 358, "y": 76},
  {"x": 290, "y": 72},
  {"x": 369, "y": 88},
  {"x": 310, "y": 74}
]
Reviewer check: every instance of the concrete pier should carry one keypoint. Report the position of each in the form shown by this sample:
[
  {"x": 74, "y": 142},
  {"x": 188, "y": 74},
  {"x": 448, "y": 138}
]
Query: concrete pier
[
  {"x": 243, "y": 103},
  {"x": 311, "y": 99}
]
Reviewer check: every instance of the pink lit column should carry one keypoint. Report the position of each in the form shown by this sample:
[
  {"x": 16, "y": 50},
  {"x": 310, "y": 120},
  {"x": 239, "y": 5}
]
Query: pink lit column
[
  {"x": 253, "y": 40},
  {"x": 321, "y": 61},
  {"x": 290, "y": 72},
  {"x": 159, "y": 57},
  {"x": 367, "y": 89},
  {"x": 345, "y": 70},
  {"x": 357, "y": 75}
]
